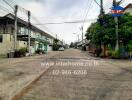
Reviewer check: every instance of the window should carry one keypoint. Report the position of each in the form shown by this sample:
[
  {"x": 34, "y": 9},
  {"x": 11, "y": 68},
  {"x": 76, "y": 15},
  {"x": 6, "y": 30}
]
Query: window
[{"x": 1, "y": 38}]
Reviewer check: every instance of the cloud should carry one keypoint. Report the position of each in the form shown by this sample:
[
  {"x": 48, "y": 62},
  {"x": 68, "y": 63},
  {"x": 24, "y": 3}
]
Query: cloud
[
  {"x": 35, "y": 7},
  {"x": 64, "y": 10}
]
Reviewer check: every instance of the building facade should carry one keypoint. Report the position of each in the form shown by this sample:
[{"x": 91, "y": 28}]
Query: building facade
[
  {"x": 128, "y": 8},
  {"x": 38, "y": 38}
]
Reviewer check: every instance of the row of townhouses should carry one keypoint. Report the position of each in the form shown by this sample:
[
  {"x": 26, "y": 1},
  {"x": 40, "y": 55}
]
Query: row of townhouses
[{"x": 37, "y": 35}]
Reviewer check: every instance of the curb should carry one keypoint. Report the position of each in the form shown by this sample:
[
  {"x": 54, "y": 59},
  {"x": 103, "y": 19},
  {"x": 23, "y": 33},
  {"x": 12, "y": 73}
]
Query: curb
[{"x": 22, "y": 91}]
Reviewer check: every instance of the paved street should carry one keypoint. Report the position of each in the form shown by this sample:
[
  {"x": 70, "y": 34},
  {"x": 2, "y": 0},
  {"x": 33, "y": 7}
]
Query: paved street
[
  {"x": 95, "y": 79},
  {"x": 65, "y": 49},
  {"x": 17, "y": 72}
]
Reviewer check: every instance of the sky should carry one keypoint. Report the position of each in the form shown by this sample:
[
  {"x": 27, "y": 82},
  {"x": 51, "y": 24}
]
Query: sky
[{"x": 58, "y": 11}]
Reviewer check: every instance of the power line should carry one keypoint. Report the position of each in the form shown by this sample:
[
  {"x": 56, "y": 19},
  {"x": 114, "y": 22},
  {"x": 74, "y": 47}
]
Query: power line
[
  {"x": 9, "y": 4},
  {"x": 97, "y": 3},
  {"x": 87, "y": 5},
  {"x": 107, "y": 6},
  {"x": 68, "y": 22},
  {"x": 5, "y": 9},
  {"x": 120, "y": 2},
  {"x": 12, "y": 2},
  {"x": 21, "y": 9},
  {"x": 39, "y": 23},
  {"x": 88, "y": 9}
]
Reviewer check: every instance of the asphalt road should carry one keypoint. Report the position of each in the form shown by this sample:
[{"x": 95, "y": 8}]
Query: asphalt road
[{"x": 74, "y": 75}]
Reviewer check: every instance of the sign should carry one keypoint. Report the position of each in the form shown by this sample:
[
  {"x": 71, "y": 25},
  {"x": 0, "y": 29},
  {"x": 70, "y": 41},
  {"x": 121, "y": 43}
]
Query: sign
[{"x": 117, "y": 11}]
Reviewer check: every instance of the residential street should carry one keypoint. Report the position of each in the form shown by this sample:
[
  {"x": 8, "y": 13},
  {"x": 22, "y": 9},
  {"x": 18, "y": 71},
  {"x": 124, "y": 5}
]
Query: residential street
[
  {"x": 101, "y": 79},
  {"x": 65, "y": 49},
  {"x": 17, "y": 72}
]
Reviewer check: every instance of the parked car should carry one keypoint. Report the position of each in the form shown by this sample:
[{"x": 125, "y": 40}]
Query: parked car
[{"x": 61, "y": 49}]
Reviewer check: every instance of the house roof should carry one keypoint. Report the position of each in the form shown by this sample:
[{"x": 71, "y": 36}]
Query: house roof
[
  {"x": 12, "y": 17},
  {"x": 128, "y": 6}
]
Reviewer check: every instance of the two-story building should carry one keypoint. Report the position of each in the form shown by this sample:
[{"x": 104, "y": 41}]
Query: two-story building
[{"x": 39, "y": 39}]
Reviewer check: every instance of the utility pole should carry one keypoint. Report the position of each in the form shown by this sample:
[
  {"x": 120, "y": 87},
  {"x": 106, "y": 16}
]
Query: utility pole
[
  {"x": 101, "y": 5},
  {"x": 78, "y": 37},
  {"x": 62, "y": 42},
  {"x": 15, "y": 28},
  {"x": 101, "y": 16},
  {"x": 56, "y": 36},
  {"x": 29, "y": 33},
  {"x": 116, "y": 26},
  {"x": 82, "y": 33}
]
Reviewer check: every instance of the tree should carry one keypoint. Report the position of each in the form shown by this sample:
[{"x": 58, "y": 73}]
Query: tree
[
  {"x": 107, "y": 37},
  {"x": 55, "y": 45},
  {"x": 72, "y": 45},
  {"x": 125, "y": 29}
]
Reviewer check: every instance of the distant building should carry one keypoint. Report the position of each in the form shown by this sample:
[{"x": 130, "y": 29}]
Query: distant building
[
  {"x": 128, "y": 8},
  {"x": 83, "y": 43},
  {"x": 39, "y": 38}
]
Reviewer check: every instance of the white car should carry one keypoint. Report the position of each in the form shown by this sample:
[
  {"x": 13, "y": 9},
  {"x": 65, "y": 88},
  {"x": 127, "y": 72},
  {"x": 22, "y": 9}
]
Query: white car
[{"x": 61, "y": 49}]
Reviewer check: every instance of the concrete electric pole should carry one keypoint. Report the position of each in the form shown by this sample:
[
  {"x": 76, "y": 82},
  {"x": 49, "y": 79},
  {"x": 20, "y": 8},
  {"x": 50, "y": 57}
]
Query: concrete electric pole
[
  {"x": 101, "y": 16},
  {"x": 116, "y": 27},
  {"x": 82, "y": 33},
  {"x": 56, "y": 36},
  {"x": 101, "y": 5},
  {"x": 15, "y": 28},
  {"x": 29, "y": 33},
  {"x": 115, "y": 3},
  {"x": 78, "y": 37}
]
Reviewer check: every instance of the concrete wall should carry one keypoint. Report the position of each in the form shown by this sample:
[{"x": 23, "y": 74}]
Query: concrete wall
[
  {"x": 7, "y": 43},
  {"x": 21, "y": 44}
]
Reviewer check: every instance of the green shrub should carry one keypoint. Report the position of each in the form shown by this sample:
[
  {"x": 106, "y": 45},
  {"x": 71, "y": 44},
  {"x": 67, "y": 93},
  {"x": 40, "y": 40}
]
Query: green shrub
[
  {"x": 110, "y": 53},
  {"x": 116, "y": 54},
  {"x": 129, "y": 45},
  {"x": 22, "y": 51},
  {"x": 56, "y": 47}
]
